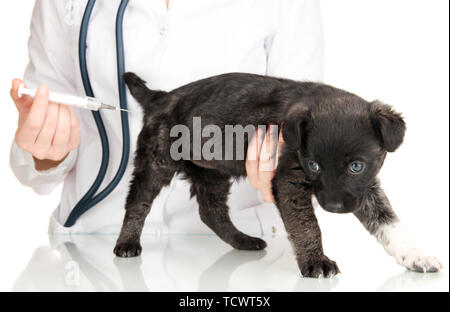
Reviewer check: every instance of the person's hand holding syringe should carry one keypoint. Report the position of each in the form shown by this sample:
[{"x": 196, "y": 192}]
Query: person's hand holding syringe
[
  {"x": 47, "y": 130},
  {"x": 48, "y": 127}
]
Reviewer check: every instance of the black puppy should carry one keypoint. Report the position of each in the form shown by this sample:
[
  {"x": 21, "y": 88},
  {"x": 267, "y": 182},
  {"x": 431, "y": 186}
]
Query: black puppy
[{"x": 336, "y": 143}]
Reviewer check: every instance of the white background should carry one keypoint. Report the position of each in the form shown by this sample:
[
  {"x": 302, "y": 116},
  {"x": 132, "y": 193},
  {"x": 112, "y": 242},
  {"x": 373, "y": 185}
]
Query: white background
[{"x": 395, "y": 50}]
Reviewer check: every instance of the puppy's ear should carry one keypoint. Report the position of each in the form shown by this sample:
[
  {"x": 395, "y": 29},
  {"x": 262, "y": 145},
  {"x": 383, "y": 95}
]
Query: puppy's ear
[
  {"x": 294, "y": 124},
  {"x": 388, "y": 124}
]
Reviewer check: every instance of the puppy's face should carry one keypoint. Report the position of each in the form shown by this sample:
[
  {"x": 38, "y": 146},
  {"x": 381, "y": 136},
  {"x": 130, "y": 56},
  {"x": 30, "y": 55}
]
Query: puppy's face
[
  {"x": 342, "y": 144},
  {"x": 341, "y": 167}
]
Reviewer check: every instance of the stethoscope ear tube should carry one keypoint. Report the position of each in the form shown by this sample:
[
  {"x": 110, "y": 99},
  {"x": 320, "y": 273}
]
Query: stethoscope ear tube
[{"x": 89, "y": 200}]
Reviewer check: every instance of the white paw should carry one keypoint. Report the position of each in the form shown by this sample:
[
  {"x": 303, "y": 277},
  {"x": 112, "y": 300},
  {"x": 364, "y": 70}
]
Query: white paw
[{"x": 414, "y": 260}]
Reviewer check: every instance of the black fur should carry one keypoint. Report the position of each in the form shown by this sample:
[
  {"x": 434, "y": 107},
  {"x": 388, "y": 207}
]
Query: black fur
[{"x": 320, "y": 123}]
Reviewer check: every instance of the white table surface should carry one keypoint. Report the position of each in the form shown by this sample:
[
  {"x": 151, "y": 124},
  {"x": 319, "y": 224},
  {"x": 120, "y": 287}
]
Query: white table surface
[{"x": 205, "y": 263}]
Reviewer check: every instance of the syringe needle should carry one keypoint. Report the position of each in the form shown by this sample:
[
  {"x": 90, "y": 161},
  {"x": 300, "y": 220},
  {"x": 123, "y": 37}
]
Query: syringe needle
[
  {"x": 124, "y": 110},
  {"x": 111, "y": 107}
]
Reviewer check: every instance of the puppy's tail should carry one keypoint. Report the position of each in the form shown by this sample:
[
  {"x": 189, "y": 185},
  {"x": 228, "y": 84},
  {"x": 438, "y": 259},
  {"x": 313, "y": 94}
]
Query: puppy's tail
[{"x": 141, "y": 93}]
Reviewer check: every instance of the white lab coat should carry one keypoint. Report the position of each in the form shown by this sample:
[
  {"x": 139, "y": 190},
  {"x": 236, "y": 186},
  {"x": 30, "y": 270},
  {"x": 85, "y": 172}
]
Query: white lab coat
[{"x": 168, "y": 48}]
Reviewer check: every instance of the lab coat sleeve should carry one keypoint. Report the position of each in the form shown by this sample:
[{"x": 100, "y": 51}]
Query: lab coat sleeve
[
  {"x": 42, "y": 182},
  {"x": 296, "y": 49},
  {"x": 50, "y": 63}
]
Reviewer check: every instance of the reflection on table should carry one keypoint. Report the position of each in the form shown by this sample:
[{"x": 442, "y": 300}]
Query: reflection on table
[{"x": 178, "y": 263}]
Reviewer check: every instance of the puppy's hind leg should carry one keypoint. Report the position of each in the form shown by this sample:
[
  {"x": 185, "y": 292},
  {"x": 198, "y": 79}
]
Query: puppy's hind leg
[
  {"x": 149, "y": 177},
  {"x": 145, "y": 186},
  {"x": 211, "y": 189},
  {"x": 379, "y": 219}
]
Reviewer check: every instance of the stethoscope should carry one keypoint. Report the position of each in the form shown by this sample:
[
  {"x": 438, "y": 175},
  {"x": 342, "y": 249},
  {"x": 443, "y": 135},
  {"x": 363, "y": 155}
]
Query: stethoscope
[{"x": 90, "y": 199}]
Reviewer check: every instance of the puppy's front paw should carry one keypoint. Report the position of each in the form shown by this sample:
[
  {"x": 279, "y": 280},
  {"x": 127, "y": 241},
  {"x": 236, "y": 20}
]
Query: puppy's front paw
[
  {"x": 414, "y": 260},
  {"x": 128, "y": 249},
  {"x": 319, "y": 267}
]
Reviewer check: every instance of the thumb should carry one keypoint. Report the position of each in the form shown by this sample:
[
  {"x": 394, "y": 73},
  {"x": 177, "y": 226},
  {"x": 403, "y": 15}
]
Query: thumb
[{"x": 22, "y": 103}]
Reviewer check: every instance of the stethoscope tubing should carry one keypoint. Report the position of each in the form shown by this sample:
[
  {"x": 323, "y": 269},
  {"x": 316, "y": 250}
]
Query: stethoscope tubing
[{"x": 90, "y": 199}]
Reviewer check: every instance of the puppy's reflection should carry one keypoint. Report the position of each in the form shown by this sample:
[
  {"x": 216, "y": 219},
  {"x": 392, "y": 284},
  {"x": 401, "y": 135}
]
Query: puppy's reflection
[
  {"x": 217, "y": 276},
  {"x": 170, "y": 263},
  {"x": 316, "y": 285},
  {"x": 410, "y": 281},
  {"x": 131, "y": 274}
]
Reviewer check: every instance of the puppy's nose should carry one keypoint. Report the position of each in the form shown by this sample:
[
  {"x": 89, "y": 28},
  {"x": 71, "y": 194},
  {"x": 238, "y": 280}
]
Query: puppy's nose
[{"x": 335, "y": 206}]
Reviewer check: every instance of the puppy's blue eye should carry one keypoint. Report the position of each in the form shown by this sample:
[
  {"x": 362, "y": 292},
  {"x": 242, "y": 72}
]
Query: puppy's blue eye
[
  {"x": 356, "y": 167},
  {"x": 314, "y": 166}
]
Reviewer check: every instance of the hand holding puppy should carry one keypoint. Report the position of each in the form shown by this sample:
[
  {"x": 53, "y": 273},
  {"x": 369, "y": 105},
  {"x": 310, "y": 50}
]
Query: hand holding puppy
[{"x": 262, "y": 158}]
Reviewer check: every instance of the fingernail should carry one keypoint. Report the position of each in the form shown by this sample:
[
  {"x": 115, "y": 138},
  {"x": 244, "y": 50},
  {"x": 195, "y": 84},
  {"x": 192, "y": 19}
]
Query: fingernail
[{"x": 43, "y": 90}]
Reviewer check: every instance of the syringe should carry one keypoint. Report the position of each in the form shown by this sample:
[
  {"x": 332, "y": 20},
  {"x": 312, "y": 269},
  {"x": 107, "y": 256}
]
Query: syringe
[{"x": 85, "y": 102}]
